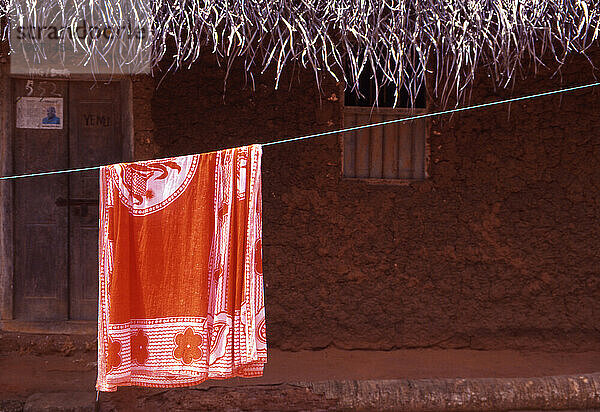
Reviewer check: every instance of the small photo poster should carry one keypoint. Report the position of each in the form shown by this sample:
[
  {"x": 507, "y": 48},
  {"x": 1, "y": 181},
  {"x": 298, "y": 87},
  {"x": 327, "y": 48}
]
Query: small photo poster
[{"x": 40, "y": 113}]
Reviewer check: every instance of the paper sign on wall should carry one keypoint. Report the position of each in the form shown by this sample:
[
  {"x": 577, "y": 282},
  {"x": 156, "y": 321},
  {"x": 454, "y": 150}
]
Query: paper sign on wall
[{"x": 40, "y": 113}]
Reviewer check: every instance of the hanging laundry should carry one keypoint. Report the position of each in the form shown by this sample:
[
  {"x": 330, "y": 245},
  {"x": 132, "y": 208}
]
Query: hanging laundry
[{"x": 181, "y": 286}]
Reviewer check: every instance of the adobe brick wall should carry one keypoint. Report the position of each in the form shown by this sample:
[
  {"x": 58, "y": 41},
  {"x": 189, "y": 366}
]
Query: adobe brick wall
[{"x": 500, "y": 248}]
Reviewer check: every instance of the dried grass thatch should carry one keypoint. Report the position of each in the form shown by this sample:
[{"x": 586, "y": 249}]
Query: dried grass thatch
[{"x": 401, "y": 39}]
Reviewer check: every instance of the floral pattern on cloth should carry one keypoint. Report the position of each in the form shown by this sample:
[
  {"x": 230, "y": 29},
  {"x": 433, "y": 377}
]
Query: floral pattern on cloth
[
  {"x": 113, "y": 357},
  {"x": 188, "y": 346},
  {"x": 139, "y": 347},
  {"x": 181, "y": 295}
]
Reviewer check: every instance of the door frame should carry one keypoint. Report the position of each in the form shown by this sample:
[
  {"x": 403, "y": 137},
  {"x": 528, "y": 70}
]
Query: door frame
[{"x": 7, "y": 119}]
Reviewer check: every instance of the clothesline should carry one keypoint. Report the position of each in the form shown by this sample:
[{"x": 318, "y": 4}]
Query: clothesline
[{"x": 349, "y": 129}]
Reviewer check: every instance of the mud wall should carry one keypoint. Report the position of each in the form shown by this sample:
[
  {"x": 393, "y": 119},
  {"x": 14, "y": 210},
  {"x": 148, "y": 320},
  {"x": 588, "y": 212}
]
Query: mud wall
[{"x": 499, "y": 248}]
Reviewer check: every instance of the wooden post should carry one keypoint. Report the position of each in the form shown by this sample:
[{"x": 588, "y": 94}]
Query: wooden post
[{"x": 6, "y": 168}]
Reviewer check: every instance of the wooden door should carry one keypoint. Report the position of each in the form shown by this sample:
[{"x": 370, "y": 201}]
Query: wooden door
[
  {"x": 40, "y": 225},
  {"x": 56, "y": 217},
  {"x": 94, "y": 139}
]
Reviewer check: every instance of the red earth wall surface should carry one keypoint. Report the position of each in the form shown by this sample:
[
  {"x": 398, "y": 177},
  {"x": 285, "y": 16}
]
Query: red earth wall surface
[{"x": 499, "y": 248}]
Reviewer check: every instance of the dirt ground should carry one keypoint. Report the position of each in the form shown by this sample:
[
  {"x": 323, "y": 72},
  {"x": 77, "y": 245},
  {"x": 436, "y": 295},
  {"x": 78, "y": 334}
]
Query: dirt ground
[{"x": 72, "y": 368}]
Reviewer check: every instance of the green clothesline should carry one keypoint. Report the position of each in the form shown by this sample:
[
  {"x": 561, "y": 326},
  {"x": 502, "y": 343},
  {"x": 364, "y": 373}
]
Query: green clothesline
[{"x": 349, "y": 129}]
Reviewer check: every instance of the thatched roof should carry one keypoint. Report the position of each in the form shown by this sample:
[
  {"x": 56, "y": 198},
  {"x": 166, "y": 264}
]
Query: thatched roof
[{"x": 397, "y": 38}]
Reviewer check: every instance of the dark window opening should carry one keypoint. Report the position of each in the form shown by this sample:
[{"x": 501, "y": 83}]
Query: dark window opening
[{"x": 368, "y": 91}]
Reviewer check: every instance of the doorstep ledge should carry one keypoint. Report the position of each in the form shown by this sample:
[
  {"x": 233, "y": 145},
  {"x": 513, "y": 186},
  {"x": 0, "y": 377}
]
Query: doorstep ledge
[{"x": 69, "y": 327}]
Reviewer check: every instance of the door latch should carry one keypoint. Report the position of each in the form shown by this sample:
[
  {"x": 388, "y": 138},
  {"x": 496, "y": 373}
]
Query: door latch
[{"x": 80, "y": 206}]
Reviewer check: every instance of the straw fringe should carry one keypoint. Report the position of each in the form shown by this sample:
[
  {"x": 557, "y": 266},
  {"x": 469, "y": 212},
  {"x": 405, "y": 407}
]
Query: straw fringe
[{"x": 401, "y": 39}]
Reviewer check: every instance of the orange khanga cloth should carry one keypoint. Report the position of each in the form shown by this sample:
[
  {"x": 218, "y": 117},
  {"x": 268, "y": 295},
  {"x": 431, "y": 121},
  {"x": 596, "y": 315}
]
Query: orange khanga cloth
[{"x": 181, "y": 286}]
